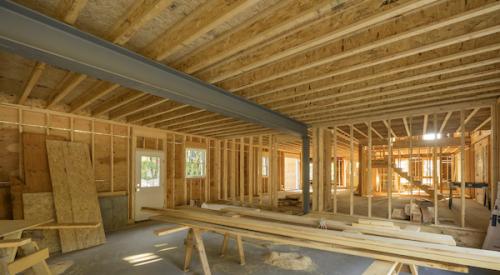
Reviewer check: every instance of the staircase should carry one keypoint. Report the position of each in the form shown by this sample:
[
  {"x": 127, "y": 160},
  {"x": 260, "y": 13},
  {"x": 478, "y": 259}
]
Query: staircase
[{"x": 427, "y": 189}]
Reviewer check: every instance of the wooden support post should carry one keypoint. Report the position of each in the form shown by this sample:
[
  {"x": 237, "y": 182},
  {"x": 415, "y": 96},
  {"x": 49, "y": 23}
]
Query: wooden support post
[
  {"x": 208, "y": 173},
  {"x": 217, "y": 167},
  {"x": 174, "y": 181},
  {"x": 351, "y": 181},
  {"x": 315, "y": 179},
  {"x": 369, "y": 176},
  {"x": 410, "y": 162},
  {"x": 274, "y": 172},
  {"x": 389, "y": 170},
  {"x": 335, "y": 175},
  {"x": 233, "y": 170},
  {"x": 494, "y": 152},
  {"x": 250, "y": 171},
  {"x": 462, "y": 168},
  {"x": 225, "y": 170},
  {"x": 184, "y": 181},
  {"x": 259, "y": 170},
  {"x": 242, "y": 170},
  {"x": 320, "y": 167},
  {"x": 435, "y": 170}
]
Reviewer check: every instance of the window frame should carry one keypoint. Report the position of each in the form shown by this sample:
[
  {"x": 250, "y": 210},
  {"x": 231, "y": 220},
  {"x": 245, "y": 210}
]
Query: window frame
[{"x": 204, "y": 170}]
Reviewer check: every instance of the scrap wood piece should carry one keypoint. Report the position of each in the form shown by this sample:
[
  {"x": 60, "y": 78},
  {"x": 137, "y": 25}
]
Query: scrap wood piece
[
  {"x": 385, "y": 256},
  {"x": 29, "y": 261},
  {"x": 75, "y": 194},
  {"x": 14, "y": 242}
]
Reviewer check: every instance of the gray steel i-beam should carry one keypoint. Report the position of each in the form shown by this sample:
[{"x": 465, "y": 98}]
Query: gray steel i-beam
[{"x": 36, "y": 36}]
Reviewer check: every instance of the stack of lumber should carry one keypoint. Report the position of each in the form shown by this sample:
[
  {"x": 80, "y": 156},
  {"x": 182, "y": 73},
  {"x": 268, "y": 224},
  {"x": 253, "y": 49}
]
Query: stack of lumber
[{"x": 410, "y": 247}]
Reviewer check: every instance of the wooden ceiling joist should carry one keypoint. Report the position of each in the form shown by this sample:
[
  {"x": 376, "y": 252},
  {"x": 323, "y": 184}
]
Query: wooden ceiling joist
[
  {"x": 471, "y": 95},
  {"x": 196, "y": 124},
  {"x": 293, "y": 69},
  {"x": 425, "y": 124},
  {"x": 117, "y": 102},
  {"x": 373, "y": 130},
  {"x": 407, "y": 129},
  {"x": 327, "y": 96},
  {"x": 139, "y": 14},
  {"x": 31, "y": 82},
  {"x": 323, "y": 82},
  {"x": 445, "y": 121},
  {"x": 185, "y": 111},
  {"x": 168, "y": 106},
  {"x": 305, "y": 39},
  {"x": 482, "y": 124},
  {"x": 68, "y": 10},
  {"x": 383, "y": 97},
  {"x": 67, "y": 87},
  {"x": 401, "y": 110},
  {"x": 137, "y": 106},
  {"x": 468, "y": 118},
  {"x": 102, "y": 88},
  {"x": 275, "y": 21},
  {"x": 389, "y": 128},
  {"x": 199, "y": 22}
]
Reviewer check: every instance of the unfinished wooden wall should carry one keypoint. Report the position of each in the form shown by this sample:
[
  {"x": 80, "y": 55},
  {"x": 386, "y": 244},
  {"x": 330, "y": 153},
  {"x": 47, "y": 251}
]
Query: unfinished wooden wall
[{"x": 111, "y": 146}]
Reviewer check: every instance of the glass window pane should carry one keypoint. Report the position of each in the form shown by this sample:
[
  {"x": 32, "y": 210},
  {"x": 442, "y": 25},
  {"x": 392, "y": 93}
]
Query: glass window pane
[
  {"x": 150, "y": 171},
  {"x": 265, "y": 166},
  {"x": 195, "y": 163}
]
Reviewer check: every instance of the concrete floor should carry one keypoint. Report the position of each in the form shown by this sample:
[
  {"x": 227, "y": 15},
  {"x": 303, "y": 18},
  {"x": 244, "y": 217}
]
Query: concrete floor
[{"x": 136, "y": 250}]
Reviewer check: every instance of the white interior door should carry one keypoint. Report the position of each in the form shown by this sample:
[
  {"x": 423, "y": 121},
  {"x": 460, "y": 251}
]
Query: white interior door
[{"x": 149, "y": 188}]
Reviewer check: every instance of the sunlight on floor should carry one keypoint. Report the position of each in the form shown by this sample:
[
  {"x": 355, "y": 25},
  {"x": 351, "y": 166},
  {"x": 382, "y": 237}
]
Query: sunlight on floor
[{"x": 142, "y": 259}]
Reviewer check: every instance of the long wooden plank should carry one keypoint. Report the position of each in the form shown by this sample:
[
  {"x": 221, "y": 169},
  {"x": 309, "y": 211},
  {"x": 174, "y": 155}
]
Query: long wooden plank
[
  {"x": 314, "y": 245},
  {"x": 75, "y": 194},
  {"x": 418, "y": 250},
  {"x": 337, "y": 225}
]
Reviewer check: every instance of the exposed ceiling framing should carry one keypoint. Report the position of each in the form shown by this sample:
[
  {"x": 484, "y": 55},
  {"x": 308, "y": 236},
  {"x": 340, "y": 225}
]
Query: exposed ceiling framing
[{"x": 370, "y": 60}]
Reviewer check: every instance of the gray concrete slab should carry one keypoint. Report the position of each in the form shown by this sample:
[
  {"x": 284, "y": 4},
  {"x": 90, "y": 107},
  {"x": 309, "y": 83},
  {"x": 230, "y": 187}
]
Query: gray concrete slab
[{"x": 136, "y": 250}]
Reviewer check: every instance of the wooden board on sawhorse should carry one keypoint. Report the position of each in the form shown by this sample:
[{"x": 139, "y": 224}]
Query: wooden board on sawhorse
[{"x": 194, "y": 241}]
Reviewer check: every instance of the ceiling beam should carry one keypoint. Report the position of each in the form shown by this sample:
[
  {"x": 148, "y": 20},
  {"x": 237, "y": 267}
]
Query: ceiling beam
[
  {"x": 469, "y": 117},
  {"x": 405, "y": 122},
  {"x": 482, "y": 124},
  {"x": 31, "y": 82},
  {"x": 445, "y": 121},
  {"x": 360, "y": 132},
  {"x": 293, "y": 70},
  {"x": 116, "y": 102},
  {"x": 68, "y": 10},
  {"x": 40, "y": 37},
  {"x": 373, "y": 130},
  {"x": 425, "y": 124},
  {"x": 197, "y": 23},
  {"x": 389, "y": 128}
]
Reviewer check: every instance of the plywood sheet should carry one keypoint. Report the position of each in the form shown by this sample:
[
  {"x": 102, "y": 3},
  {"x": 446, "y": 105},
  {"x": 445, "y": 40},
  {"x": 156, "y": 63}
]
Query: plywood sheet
[
  {"x": 40, "y": 207},
  {"x": 36, "y": 167},
  {"x": 75, "y": 194}
]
